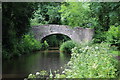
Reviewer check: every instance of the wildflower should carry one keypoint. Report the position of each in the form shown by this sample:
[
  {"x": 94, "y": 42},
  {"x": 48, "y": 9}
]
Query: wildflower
[
  {"x": 75, "y": 47},
  {"x": 55, "y": 71},
  {"x": 87, "y": 47},
  {"x": 30, "y": 74},
  {"x": 96, "y": 47},
  {"x": 96, "y": 55},
  {"x": 77, "y": 55},
  {"x": 95, "y": 66},
  {"x": 25, "y": 79},
  {"x": 63, "y": 72},
  {"x": 37, "y": 73}
]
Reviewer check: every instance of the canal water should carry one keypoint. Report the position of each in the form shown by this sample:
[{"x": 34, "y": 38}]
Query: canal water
[{"x": 47, "y": 60}]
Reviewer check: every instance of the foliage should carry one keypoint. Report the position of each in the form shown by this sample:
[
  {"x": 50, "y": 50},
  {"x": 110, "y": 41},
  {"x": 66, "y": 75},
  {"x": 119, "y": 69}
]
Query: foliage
[
  {"x": 113, "y": 35},
  {"x": 76, "y": 14},
  {"x": 93, "y": 62},
  {"x": 90, "y": 61},
  {"x": 29, "y": 43},
  {"x": 41, "y": 74},
  {"x": 26, "y": 45},
  {"x": 56, "y": 40},
  {"x": 52, "y": 40},
  {"x": 21, "y": 14},
  {"x": 107, "y": 13},
  {"x": 47, "y": 13},
  {"x": 67, "y": 46},
  {"x": 16, "y": 23},
  {"x": 45, "y": 45},
  {"x": 100, "y": 37}
]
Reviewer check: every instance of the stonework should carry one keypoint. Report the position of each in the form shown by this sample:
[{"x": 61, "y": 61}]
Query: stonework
[{"x": 77, "y": 34}]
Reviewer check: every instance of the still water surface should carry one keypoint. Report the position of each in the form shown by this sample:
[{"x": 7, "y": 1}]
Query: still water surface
[{"x": 37, "y": 61}]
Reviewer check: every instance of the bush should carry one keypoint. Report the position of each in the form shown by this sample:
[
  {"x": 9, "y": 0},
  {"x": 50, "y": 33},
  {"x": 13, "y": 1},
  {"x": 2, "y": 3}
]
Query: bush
[
  {"x": 99, "y": 37},
  {"x": 26, "y": 45},
  {"x": 113, "y": 35},
  {"x": 45, "y": 45},
  {"x": 67, "y": 46},
  {"x": 91, "y": 62}
]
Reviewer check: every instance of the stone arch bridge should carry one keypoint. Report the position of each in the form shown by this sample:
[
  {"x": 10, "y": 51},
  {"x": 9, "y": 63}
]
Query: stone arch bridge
[{"x": 77, "y": 34}]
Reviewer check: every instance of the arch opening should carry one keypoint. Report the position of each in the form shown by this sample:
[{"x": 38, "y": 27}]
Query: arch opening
[{"x": 55, "y": 40}]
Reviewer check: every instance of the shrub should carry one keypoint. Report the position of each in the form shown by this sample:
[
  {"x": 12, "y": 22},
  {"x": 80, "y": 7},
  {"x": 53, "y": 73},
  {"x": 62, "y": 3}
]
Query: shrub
[
  {"x": 28, "y": 43},
  {"x": 45, "y": 45},
  {"x": 92, "y": 62},
  {"x": 99, "y": 37},
  {"x": 113, "y": 35},
  {"x": 67, "y": 46}
]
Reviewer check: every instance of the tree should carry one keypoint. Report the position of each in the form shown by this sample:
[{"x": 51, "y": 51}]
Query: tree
[
  {"x": 16, "y": 22},
  {"x": 47, "y": 13},
  {"x": 76, "y": 14},
  {"x": 107, "y": 13}
]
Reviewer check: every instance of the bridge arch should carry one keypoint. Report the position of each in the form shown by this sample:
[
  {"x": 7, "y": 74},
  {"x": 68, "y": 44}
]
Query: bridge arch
[
  {"x": 56, "y": 33},
  {"x": 55, "y": 40},
  {"x": 77, "y": 34}
]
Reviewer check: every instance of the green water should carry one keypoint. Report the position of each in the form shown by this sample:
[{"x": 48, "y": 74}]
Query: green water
[{"x": 31, "y": 63}]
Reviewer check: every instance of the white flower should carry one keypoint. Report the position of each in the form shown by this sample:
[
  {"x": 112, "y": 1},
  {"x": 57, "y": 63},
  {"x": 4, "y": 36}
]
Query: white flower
[
  {"x": 96, "y": 47},
  {"x": 84, "y": 50},
  {"x": 77, "y": 55},
  {"x": 87, "y": 47},
  {"x": 75, "y": 47},
  {"x": 96, "y": 55},
  {"x": 95, "y": 66},
  {"x": 63, "y": 72},
  {"x": 25, "y": 79},
  {"x": 37, "y": 73},
  {"x": 30, "y": 74}
]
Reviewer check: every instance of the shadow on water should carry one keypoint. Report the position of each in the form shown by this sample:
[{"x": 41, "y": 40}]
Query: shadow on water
[{"x": 37, "y": 61}]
